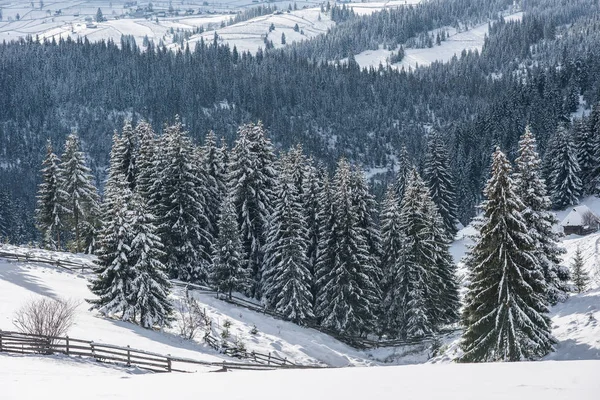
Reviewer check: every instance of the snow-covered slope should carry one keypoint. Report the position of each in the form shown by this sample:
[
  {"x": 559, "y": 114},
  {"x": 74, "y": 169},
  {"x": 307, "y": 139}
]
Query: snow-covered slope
[{"x": 34, "y": 377}]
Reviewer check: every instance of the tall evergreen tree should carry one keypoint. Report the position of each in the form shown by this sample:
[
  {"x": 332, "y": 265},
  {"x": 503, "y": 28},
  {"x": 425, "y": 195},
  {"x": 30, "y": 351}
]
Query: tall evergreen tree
[
  {"x": 531, "y": 188},
  {"x": 252, "y": 179},
  {"x": 286, "y": 277},
  {"x": 581, "y": 279},
  {"x": 51, "y": 200},
  {"x": 403, "y": 173},
  {"x": 129, "y": 149},
  {"x": 114, "y": 271},
  {"x": 228, "y": 273},
  {"x": 312, "y": 188},
  {"x": 150, "y": 286},
  {"x": 351, "y": 292},
  {"x": 216, "y": 180},
  {"x": 326, "y": 248},
  {"x": 147, "y": 161},
  {"x": 392, "y": 243},
  {"x": 440, "y": 182},
  {"x": 564, "y": 182},
  {"x": 183, "y": 222},
  {"x": 81, "y": 192},
  {"x": 505, "y": 316},
  {"x": 584, "y": 145}
]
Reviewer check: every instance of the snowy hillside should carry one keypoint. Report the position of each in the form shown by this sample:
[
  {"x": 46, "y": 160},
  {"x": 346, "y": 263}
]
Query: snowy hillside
[
  {"x": 250, "y": 35},
  {"x": 468, "y": 40}
]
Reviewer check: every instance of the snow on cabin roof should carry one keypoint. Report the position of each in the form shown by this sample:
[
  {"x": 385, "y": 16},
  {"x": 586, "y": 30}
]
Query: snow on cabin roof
[{"x": 575, "y": 217}]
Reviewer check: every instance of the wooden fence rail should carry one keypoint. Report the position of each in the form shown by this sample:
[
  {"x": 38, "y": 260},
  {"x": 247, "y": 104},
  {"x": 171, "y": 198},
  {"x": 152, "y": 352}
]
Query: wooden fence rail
[
  {"x": 354, "y": 341},
  {"x": 23, "y": 343}
]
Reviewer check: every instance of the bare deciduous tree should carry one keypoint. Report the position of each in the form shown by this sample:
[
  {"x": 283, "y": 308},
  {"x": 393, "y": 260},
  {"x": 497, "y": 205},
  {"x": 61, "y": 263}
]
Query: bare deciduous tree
[
  {"x": 46, "y": 317},
  {"x": 192, "y": 318}
]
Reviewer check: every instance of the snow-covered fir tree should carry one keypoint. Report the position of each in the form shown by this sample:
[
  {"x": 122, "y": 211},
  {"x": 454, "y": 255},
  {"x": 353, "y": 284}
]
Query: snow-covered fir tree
[
  {"x": 286, "y": 277},
  {"x": 415, "y": 284},
  {"x": 182, "y": 218},
  {"x": 531, "y": 188},
  {"x": 81, "y": 194},
  {"x": 564, "y": 182},
  {"x": 505, "y": 316},
  {"x": 581, "y": 278},
  {"x": 114, "y": 270},
  {"x": 128, "y": 157},
  {"x": 326, "y": 247},
  {"x": 251, "y": 180},
  {"x": 216, "y": 180},
  {"x": 392, "y": 250},
  {"x": 366, "y": 207},
  {"x": 52, "y": 203},
  {"x": 350, "y": 291},
  {"x": 146, "y": 162},
  {"x": 586, "y": 157},
  {"x": 440, "y": 182},
  {"x": 228, "y": 273},
  {"x": 150, "y": 286},
  {"x": 403, "y": 173},
  {"x": 313, "y": 186}
]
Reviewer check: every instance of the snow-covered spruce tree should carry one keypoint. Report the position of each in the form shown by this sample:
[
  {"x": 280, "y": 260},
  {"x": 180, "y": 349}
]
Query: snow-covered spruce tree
[
  {"x": 505, "y": 316},
  {"x": 586, "y": 157},
  {"x": 114, "y": 270},
  {"x": 51, "y": 201},
  {"x": 251, "y": 180},
  {"x": 81, "y": 193},
  {"x": 415, "y": 285},
  {"x": 444, "y": 302},
  {"x": 564, "y": 182},
  {"x": 310, "y": 198},
  {"x": 286, "y": 278},
  {"x": 182, "y": 219},
  {"x": 326, "y": 247},
  {"x": 531, "y": 188},
  {"x": 392, "y": 249},
  {"x": 146, "y": 161},
  {"x": 150, "y": 285},
  {"x": 128, "y": 157},
  {"x": 228, "y": 273},
  {"x": 366, "y": 206},
  {"x": 404, "y": 167},
  {"x": 216, "y": 180},
  {"x": 440, "y": 182},
  {"x": 581, "y": 279},
  {"x": 351, "y": 292}
]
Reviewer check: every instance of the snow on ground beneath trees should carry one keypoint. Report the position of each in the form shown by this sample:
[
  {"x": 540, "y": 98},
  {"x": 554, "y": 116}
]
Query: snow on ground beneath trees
[
  {"x": 469, "y": 40},
  {"x": 21, "y": 281},
  {"x": 53, "y": 378}
]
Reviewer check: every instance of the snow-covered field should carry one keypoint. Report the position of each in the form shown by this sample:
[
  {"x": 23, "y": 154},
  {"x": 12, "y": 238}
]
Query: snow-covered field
[{"x": 52, "y": 378}]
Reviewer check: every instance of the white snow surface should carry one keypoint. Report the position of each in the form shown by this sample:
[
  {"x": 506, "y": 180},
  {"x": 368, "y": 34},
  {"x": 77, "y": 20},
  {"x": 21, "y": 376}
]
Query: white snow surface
[{"x": 51, "y": 378}]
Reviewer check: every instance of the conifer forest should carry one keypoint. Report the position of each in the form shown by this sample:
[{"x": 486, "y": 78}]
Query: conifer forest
[{"x": 327, "y": 192}]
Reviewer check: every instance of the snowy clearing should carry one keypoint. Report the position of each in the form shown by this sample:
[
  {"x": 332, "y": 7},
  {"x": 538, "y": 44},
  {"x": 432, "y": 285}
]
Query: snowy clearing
[{"x": 34, "y": 377}]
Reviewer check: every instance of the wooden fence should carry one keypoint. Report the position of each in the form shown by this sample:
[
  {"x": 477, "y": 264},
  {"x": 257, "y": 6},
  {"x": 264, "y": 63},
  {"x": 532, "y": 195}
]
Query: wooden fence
[
  {"x": 23, "y": 343},
  {"x": 354, "y": 341}
]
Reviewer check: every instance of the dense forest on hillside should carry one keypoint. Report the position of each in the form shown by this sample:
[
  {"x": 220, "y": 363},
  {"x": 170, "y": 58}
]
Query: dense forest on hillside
[{"x": 532, "y": 71}]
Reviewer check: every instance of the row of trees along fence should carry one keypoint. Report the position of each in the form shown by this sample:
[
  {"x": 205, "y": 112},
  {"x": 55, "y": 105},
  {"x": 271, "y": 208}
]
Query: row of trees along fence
[{"x": 358, "y": 342}]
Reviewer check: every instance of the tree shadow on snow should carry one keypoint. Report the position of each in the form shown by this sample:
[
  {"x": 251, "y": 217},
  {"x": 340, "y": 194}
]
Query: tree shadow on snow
[{"x": 18, "y": 274}]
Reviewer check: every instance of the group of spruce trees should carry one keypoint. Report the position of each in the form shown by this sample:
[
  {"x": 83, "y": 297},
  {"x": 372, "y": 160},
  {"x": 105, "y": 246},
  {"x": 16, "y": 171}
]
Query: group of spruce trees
[
  {"x": 514, "y": 271},
  {"x": 311, "y": 246}
]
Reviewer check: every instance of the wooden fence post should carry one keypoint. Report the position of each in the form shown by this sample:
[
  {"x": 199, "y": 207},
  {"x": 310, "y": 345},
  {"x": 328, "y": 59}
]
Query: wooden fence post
[
  {"x": 67, "y": 343},
  {"x": 0, "y": 341},
  {"x": 169, "y": 366},
  {"x": 269, "y": 360},
  {"x": 128, "y": 356},
  {"x": 92, "y": 347}
]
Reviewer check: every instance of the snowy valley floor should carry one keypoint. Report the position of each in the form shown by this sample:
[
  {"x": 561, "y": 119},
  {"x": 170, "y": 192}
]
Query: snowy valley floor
[{"x": 54, "y": 378}]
